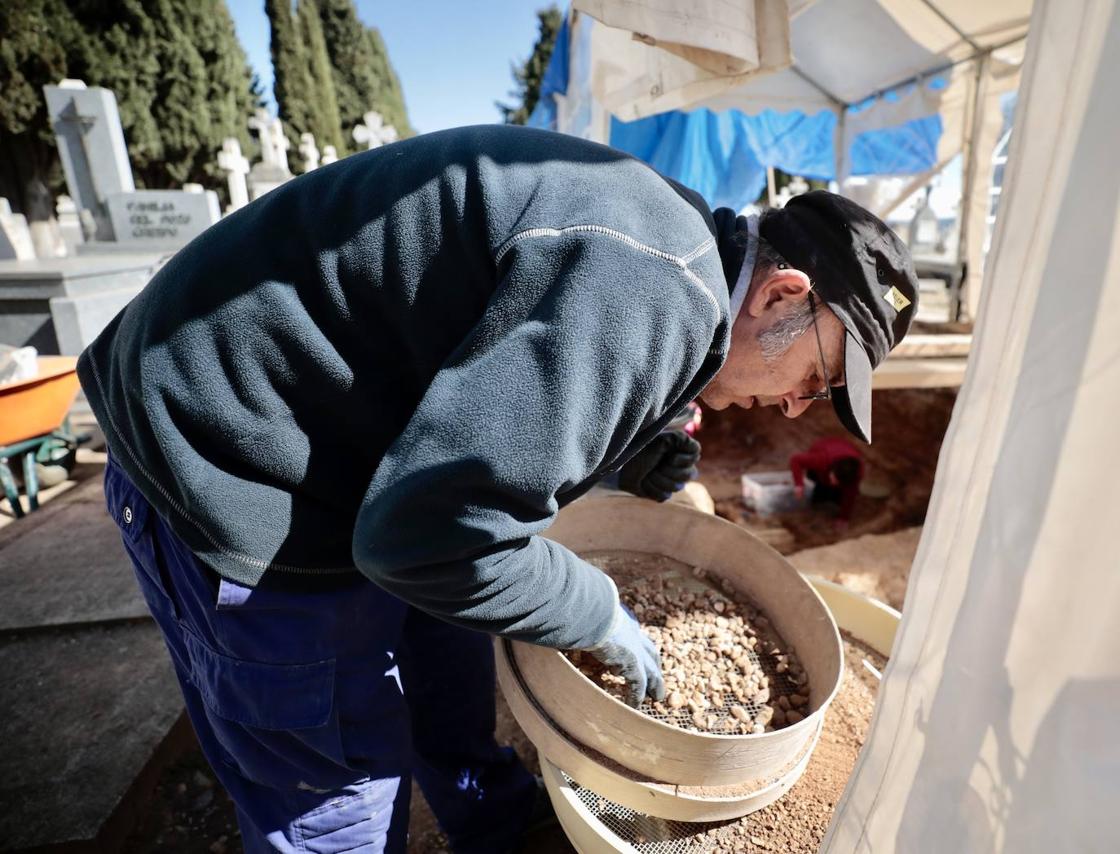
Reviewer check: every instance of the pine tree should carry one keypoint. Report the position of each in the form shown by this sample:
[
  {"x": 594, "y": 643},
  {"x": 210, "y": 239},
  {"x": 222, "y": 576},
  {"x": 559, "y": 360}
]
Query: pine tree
[
  {"x": 527, "y": 78},
  {"x": 363, "y": 78}
]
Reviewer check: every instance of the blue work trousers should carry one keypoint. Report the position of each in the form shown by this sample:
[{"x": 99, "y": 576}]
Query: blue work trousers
[{"x": 316, "y": 699}]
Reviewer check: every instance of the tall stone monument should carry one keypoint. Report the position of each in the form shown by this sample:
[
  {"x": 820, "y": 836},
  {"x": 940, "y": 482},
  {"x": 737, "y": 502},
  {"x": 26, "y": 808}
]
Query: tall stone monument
[
  {"x": 273, "y": 169},
  {"x": 91, "y": 144},
  {"x": 87, "y": 127}
]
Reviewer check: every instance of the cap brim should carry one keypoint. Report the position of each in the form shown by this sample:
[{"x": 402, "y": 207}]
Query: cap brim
[{"x": 852, "y": 401}]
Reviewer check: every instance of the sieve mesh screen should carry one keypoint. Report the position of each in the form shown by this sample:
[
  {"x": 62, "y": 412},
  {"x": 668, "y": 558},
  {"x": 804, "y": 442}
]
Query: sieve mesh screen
[{"x": 644, "y": 833}]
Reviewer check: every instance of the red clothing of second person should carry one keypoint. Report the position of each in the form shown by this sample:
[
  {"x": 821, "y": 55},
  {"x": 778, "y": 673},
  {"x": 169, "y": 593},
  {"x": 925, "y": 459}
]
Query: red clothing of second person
[{"x": 819, "y": 460}]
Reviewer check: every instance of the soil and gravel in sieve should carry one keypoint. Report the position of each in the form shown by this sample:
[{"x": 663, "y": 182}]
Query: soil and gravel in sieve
[{"x": 726, "y": 669}]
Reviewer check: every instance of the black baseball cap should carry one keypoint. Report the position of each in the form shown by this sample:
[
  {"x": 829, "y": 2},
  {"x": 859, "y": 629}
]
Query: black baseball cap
[{"x": 863, "y": 272}]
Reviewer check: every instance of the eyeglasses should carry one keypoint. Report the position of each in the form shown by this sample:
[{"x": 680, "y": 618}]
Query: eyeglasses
[{"x": 826, "y": 394}]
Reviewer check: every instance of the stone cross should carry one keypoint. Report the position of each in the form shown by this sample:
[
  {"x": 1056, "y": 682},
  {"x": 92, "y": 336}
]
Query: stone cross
[
  {"x": 274, "y": 144},
  {"x": 236, "y": 167},
  {"x": 373, "y": 132},
  {"x": 330, "y": 155},
  {"x": 280, "y": 144},
  {"x": 87, "y": 128},
  {"x": 308, "y": 151}
]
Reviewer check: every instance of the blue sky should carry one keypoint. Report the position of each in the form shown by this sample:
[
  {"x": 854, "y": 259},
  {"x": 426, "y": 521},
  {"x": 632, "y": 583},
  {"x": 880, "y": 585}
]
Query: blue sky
[{"x": 452, "y": 58}]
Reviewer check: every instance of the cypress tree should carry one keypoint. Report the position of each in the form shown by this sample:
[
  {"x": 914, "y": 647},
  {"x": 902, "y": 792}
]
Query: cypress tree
[
  {"x": 35, "y": 37},
  {"x": 233, "y": 92},
  {"x": 304, "y": 87},
  {"x": 291, "y": 77},
  {"x": 387, "y": 96},
  {"x": 323, "y": 113},
  {"x": 528, "y": 76},
  {"x": 159, "y": 80},
  {"x": 364, "y": 80}
]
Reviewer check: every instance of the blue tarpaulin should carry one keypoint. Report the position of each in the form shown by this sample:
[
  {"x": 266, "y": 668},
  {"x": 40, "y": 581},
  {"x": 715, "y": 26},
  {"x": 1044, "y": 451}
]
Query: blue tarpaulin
[{"x": 724, "y": 155}]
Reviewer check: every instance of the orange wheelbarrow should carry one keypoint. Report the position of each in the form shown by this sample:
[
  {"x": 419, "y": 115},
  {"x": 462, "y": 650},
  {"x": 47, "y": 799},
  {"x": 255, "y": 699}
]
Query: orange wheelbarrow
[{"x": 33, "y": 424}]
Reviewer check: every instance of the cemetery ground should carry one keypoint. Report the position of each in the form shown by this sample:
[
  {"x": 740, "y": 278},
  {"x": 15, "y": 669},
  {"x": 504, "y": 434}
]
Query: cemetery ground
[{"x": 101, "y": 756}]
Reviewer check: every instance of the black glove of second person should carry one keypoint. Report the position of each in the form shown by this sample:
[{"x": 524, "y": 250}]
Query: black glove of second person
[{"x": 662, "y": 467}]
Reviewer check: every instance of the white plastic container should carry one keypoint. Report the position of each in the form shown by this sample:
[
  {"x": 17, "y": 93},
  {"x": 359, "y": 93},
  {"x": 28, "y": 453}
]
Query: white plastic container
[{"x": 769, "y": 492}]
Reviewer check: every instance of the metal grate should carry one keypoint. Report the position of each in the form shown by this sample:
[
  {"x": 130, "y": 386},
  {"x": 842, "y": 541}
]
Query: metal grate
[{"x": 642, "y": 832}]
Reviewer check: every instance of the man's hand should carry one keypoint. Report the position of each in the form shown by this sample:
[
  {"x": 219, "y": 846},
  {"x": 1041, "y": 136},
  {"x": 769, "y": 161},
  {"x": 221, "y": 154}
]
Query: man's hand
[
  {"x": 632, "y": 655},
  {"x": 662, "y": 467},
  {"x": 798, "y": 492}
]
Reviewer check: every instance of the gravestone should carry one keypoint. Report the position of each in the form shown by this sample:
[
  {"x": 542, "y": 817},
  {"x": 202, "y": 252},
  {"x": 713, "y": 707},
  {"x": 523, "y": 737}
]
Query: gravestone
[
  {"x": 60, "y": 304},
  {"x": 87, "y": 128},
  {"x": 236, "y": 167},
  {"x": 308, "y": 151},
  {"x": 330, "y": 155},
  {"x": 15, "y": 236},
  {"x": 373, "y": 132},
  {"x": 273, "y": 169},
  {"x": 155, "y": 219}
]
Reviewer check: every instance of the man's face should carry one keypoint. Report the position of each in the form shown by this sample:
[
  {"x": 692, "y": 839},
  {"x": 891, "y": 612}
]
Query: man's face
[{"x": 754, "y": 377}]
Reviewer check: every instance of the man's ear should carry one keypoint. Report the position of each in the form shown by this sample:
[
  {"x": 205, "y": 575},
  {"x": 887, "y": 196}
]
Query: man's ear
[{"x": 785, "y": 285}]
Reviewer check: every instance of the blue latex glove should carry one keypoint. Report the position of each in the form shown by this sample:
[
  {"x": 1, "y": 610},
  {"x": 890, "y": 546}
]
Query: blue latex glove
[{"x": 632, "y": 655}]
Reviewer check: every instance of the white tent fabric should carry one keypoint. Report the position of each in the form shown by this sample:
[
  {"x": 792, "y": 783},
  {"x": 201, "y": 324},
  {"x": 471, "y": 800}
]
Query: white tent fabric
[
  {"x": 995, "y": 728},
  {"x": 661, "y": 55},
  {"x": 702, "y": 31},
  {"x": 838, "y": 52}
]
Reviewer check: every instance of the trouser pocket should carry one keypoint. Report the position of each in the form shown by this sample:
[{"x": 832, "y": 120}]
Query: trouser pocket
[{"x": 275, "y": 722}]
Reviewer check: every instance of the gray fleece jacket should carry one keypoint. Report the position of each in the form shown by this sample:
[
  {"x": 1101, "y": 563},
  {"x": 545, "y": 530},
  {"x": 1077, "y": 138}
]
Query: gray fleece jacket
[{"x": 405, "y": 362}]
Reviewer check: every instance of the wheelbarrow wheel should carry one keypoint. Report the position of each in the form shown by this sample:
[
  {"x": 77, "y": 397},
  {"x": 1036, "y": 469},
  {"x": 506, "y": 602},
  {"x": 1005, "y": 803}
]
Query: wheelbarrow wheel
[{"x": 50, "y": 475}]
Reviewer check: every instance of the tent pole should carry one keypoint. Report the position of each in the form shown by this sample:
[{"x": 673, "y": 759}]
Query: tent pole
[
  {"x": 965, "y": 251},
  {"x": 916, "y": 184},
  {"x": 771, "y": 189}
]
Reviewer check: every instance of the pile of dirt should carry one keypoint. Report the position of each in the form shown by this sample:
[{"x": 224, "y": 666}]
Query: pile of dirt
[
  {"x": 876, "y": 565},
  {"x": 909, "y": 425}
]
